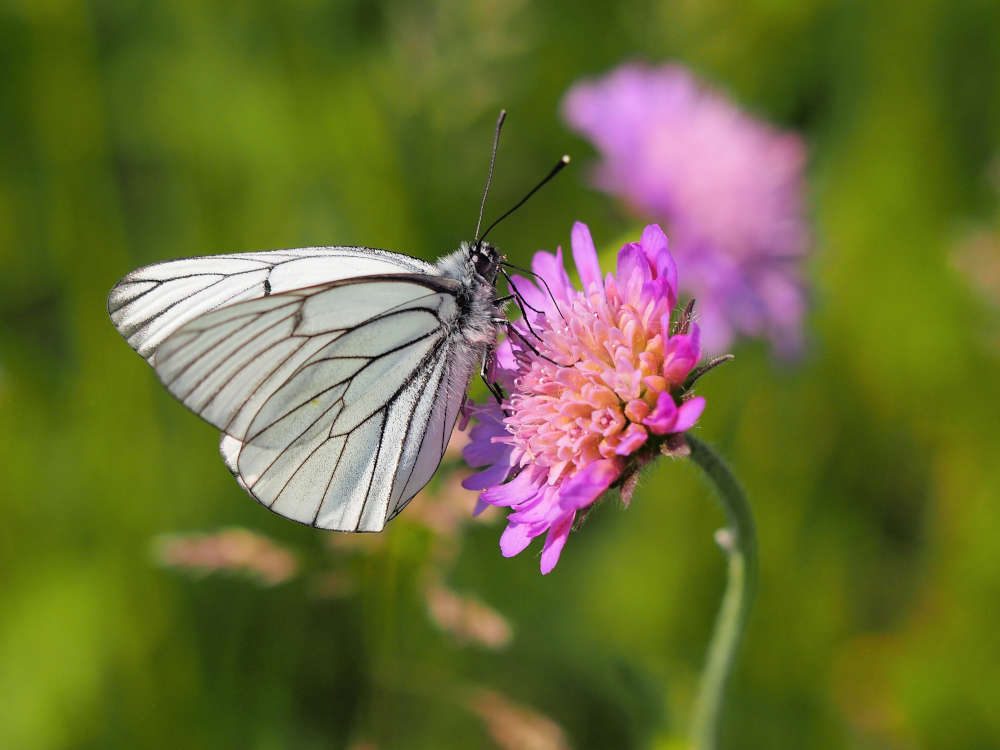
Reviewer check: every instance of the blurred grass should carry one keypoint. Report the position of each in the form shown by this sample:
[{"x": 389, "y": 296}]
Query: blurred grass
[{"x": 136, "y": 132}]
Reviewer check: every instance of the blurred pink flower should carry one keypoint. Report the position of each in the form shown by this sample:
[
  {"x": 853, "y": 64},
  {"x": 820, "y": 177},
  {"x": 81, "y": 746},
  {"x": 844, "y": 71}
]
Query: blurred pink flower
[
  {"x": 466, "y": 619},
  {"x": 230, "y": 550},
  {"x": 729, "y": 188},
  {"x": 596, "y": 381},
  {"x": 514, "y": 726}
]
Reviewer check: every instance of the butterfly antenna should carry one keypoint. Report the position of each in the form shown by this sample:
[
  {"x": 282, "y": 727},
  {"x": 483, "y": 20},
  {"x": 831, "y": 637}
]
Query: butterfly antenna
[
  {"x": 489, "y": 175},
  {"x": 554, "y": 171}
]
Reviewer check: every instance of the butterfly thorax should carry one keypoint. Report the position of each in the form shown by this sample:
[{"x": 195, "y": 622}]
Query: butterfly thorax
[{"x": 475, "y": 267}]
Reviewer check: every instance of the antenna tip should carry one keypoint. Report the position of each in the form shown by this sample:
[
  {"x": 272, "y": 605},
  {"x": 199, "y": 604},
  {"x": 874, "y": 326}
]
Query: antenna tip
[{"x": 565, "y": 159}]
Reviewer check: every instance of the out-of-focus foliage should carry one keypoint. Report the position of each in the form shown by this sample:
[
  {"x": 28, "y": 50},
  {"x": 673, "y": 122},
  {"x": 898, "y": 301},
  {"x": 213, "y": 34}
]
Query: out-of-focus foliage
[{"x": 139, "y": 131}]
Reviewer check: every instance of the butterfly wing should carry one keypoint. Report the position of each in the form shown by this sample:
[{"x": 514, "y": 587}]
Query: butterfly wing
[
  {"x": 337, "y": 400},
  {"x": 153, "y": 302}
]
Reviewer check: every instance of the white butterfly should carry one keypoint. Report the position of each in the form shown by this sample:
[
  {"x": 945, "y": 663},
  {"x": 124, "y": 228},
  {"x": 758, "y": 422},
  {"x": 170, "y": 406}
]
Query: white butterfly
[{"x": 336, "y": 374}]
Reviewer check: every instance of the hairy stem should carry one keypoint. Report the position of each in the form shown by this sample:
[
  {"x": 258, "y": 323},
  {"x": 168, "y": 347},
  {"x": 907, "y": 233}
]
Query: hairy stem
[{"x": 738, "y": 540}]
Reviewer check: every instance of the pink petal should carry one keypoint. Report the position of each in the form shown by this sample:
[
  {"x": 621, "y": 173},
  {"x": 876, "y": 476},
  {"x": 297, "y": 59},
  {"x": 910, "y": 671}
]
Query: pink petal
[
  {"x": 531, "y": 294},
  {"x": 484, "y": 452},
  {"x": 480, "y": 506},
  {"x": 551, "y": 268},
  {"x": 634, "y": 437},
  {"x": 664, "y": 415},
  {"x": 487, "y": 478},
  {"x": 585, "y": 255},
  {"x": 515, "y": 538},
  {"x": 519, "y": 489},
  {"x": 695, "y": 334},
  {"x": 680, "y": 355},
  {"x": 653, "y": 241},
  {"x": 555, "y": 541},
  {"x": 632, "y": 260},
  {"x": 688, "y": 414},
  {"x": 481, "y": 450},
  {"x": 657, "y": 290},
  {"x": 541, "y": 510},
  {"x": 654, "y": 244},
  {"x": 503, "y": 356},
  {"x": 489, "y": 419},
  {"x": 586, "y": 485}
]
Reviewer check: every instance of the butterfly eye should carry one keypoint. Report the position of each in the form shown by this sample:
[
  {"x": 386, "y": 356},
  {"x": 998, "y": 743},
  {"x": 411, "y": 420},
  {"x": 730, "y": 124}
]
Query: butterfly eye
[{"x": 484, "y": 260}]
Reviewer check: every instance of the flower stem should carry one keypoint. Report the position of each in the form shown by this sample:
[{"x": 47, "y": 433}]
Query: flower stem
[{"x": 739, "y": 542}]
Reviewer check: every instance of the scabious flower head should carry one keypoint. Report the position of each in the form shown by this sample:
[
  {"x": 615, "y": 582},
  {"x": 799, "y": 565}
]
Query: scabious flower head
[
  {"x": 596, "y": 381},
  {"x": 728, "y": 187}
]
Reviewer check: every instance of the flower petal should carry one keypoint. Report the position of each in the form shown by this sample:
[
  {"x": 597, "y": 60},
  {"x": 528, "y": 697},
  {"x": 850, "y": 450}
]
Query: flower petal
[
  {"x": 504, "y": 362},
  {"x": 664, "y": 415},
  {"x": 484, "y": 453},
  {"x": 632, "y": 440},
  {"x": 584, "y": 487},
  {"x": 531, "y": 294},
  {"x": 632, "y": 262},
  {"x": 483, "y": 448},
  {"x": 585, "y": 256},
  {"x": 555, "y": 541},
  {"x": 515, "y": 538},
  {"x": 681, "y": 355},
  {"x": 656, "y": 247},
  {"x": 551, "y": 268},
  {"x": 521, "y": 488},
  {"x": 490, "y": 477},
  {"x": 688, "y": 414}
]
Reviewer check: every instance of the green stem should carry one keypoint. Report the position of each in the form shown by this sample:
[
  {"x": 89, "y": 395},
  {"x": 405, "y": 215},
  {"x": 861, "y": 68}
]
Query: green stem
[{"x": 739, "y": 542}]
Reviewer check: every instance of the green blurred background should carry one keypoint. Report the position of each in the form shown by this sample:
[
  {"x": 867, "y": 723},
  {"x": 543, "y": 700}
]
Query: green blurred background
[{"x": 137, "y": 131}]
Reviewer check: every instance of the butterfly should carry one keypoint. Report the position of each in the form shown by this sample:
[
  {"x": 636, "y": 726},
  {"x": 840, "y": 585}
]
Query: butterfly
[{"x": 336, "y": 374}]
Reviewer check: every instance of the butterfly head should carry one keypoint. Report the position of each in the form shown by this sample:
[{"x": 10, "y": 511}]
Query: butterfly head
[{"x": 485, "y": 260}]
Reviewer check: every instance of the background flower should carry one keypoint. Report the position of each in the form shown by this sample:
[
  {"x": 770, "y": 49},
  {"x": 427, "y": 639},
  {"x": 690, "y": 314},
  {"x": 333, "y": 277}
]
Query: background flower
[
  {"x": 597, "y": 378},
  {"x": 231, "y": 550},
  {"x": 728, "y": 186}
]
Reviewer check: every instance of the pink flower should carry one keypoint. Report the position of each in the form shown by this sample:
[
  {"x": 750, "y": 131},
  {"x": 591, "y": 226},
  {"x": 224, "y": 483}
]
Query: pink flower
[
  {"x": 596, "y": 380},
  {"x": 728, "y": 186}
]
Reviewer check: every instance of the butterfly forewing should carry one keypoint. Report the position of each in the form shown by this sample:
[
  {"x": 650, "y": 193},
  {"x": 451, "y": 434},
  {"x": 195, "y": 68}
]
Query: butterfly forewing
[
  {"x": 153, "y": 302},
  {"x": 331, "y": 396}
]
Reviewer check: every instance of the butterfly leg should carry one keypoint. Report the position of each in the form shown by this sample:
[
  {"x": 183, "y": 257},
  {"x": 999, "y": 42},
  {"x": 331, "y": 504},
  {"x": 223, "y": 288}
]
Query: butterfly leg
[
  {"x": 486, "y": 373},
  {"x": 512, "y": 331},
  {"x": 521, "y": 303}
]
